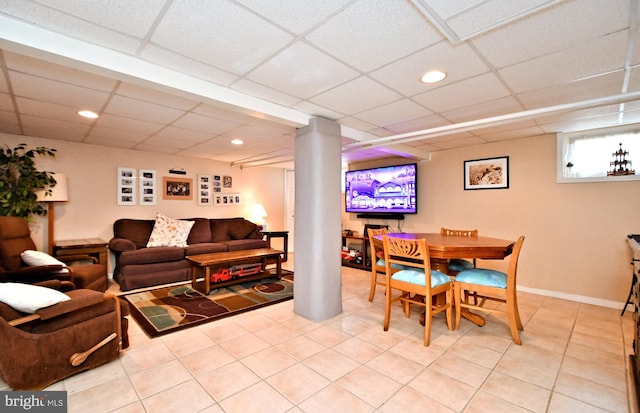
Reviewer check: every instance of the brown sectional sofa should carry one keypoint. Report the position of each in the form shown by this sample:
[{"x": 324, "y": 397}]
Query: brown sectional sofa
[{"x": 138, "y": 266}]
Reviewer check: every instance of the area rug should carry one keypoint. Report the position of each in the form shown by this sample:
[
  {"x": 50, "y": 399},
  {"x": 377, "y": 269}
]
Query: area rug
[{"x": 167, "y": 309}]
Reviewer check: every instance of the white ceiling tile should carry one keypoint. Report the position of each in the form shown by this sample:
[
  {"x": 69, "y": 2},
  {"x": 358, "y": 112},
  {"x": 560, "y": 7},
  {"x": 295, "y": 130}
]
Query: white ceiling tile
[
  {"x": 468, "y": 92},
  {"x": 53, "y": 129},
  {"x": 447, "y": 9},
  {"x": 59, "y": 22},
  {"x": 223, "y": 114},
  {"x": 125, "y": 138},
  {"x": 205, "y": 124},
  {"x": 296, "y": 16},
  {"x": 154, "y": 96},
  {"x": 51, "y": 111},
  {"x": 9, "y": 123},
  {"x": 427, "y": 122},
  {"x": 155, "y": 147},
  {"x": 171, "y": 144},
  {"x": 594, "y": 58},
  {"x": 592, "y": 88},
  {"x": 137, "y": 109},
  {"x": 186, "y": 65},
  {"x": 264, "y": 92},
  {"x": 6, "y": 104},
  {"x": 185, "y": 136},
  {"x": 511, "y": 134},
  {"x": 356, "y": 96},
  {"x": 127, "y": 124},
  {"x": 371, "y": 33},
  {"x": 357, "y": 124},
  {"x": 59, "y": 73},
  {"x": 302, "y": 71},
  {"x": 396, "y": 112},
  {"x": 317, "y": 110},
  {"x": 459, "y": 143},
  {"x": 4, "y": 88},
  {"x": 567, "y": 24},
  {"x": 496, "y": 107},
  {"x": 55, "y": 92},
  {"x": 219, "y": 35},
  {"x": 459, "y": 62},
  {"x": 131, "y": 17}
]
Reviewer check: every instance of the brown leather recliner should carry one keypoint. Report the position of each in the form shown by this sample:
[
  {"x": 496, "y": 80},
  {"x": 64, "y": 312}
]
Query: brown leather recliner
[
  {"x": 61, "y": 340},
  {"x": 15, "y": 238}
]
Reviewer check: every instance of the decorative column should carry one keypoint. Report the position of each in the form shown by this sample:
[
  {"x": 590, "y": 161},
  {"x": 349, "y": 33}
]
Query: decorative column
[{"x": 317, "y": 268}]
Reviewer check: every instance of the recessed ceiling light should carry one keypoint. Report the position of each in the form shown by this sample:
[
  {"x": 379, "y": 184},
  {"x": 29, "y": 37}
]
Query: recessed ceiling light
[
  {"x": 88, "y": 114},
  {"x": 237, "y": 141},
  {"x": 433, "y": 76}
]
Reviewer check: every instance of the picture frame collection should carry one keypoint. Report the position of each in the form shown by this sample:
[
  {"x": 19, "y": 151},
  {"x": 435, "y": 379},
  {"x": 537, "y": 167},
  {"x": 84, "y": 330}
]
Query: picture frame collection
[{"x": 140, "y": 186}]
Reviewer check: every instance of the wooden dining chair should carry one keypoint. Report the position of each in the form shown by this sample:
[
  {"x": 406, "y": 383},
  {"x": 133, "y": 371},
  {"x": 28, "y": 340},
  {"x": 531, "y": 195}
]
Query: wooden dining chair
[
  {"x": 491, "y": 285},
  {"x": 458, "y": 264},
  {"x": 418, "y": 279},
  {"x": 378, "y": 269}
]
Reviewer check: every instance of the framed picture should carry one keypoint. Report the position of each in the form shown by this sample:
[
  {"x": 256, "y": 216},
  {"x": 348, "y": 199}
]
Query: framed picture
[
  {"x": 177, "y": 188},
  {"x": 126, "y": 186},
  {"x": 204, "y": 190},
  {"x": 489, "y": 173},
  {"x": 227, "y": 181},
  {"x": 226, "y": 199},
  {"x": 148, "y": 190}
]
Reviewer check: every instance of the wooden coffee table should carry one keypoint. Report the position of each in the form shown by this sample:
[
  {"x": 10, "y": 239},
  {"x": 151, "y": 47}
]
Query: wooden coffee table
[{"x": 203, "y": 265}]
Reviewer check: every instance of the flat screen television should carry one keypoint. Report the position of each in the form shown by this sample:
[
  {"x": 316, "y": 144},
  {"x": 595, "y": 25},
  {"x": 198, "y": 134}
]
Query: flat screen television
[{"x": 385, "y": 190}]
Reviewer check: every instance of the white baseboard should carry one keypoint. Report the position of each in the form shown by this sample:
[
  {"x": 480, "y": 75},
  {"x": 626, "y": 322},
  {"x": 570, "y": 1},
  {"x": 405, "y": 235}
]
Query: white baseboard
[{"x": 574, "y": 297}]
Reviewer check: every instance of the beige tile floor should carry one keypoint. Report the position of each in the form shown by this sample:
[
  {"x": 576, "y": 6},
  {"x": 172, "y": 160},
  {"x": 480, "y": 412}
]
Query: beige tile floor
[{"x": 573, "y": 358}]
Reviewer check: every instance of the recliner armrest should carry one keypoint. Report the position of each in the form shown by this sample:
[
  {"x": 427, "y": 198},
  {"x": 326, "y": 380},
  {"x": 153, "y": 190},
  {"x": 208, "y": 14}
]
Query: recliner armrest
[
  {"x": 79, "y": 299},
  {"x": 37, "y": 273}
]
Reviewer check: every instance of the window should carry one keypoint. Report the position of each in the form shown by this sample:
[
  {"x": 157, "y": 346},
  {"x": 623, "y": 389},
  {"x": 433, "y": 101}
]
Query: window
[{"x": 587, "y": 156}]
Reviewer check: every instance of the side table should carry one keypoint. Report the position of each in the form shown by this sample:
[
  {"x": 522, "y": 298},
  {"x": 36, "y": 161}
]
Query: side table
[
  {"x": 91, "y": 247},
  {"x": 285, "y": 240}
]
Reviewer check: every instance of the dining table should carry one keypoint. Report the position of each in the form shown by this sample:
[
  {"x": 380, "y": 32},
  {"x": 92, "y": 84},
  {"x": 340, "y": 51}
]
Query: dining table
[{"x": 442, "y": 248}]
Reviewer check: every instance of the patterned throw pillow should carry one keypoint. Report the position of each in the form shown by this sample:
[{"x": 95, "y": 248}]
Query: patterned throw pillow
[{"x": 169, "y": 232}]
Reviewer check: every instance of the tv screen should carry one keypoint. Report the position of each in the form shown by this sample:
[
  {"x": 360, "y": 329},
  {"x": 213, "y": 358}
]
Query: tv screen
[{"x": 389, "y": 189}]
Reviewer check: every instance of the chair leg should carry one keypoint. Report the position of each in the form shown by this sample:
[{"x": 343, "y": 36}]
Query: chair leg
[
  {"x": 387, "y": 307},
  {"x": 428, "y": 315},
  {"x": 374, "y": 279},
  {"x": 457, "y": 292},
  {"x": 449, "y": 310},
  {"x": 514, "y": 320}
]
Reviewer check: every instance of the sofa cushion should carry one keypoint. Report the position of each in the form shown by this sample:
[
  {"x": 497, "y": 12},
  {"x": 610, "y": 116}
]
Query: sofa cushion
[
  {"x": 169, "y": 232},
  {"x": 240, "y": 229},
  {"x": 205, "y": 248},
  {"x": 151, "y": 255},
  {"x": 136, "y": 230},
  {"x": 201, "y": 231},
  {"x": 245, "y": 244}
]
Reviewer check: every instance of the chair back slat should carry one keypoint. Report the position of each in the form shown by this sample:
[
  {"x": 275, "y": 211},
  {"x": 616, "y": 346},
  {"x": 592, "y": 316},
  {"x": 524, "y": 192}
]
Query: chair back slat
[
  {"x": 408, "y": 252},
  {"x": 459, "y": 232}
]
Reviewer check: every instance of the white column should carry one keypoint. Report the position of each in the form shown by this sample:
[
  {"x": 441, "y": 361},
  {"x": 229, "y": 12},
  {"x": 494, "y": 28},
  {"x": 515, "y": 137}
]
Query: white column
[{"x": 317, "y": 268}]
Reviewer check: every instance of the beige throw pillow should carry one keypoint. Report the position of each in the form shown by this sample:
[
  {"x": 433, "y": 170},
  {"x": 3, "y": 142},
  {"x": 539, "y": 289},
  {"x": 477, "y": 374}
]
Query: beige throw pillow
[{"x": 169, "y": 232}]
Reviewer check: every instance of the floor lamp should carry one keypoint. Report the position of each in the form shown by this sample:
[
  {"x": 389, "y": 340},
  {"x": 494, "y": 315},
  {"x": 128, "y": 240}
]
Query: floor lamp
[{"x": 58, "y": 194}]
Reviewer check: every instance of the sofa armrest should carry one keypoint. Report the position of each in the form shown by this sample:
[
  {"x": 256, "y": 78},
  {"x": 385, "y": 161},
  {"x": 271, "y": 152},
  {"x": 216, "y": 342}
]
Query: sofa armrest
[
  {"x": 37, "y": 273},
  {"x": 119, "y": 245}
]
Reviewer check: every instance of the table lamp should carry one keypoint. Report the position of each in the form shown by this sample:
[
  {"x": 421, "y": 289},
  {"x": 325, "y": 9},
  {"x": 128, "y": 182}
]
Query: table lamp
[
  {"x": 58, "y": 194},
  {"x": 258, "y": 213}
]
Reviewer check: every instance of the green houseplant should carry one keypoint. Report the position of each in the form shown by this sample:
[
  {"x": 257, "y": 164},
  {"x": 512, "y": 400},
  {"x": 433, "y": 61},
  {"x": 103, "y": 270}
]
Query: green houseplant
[{"x": 20, "y": 180}]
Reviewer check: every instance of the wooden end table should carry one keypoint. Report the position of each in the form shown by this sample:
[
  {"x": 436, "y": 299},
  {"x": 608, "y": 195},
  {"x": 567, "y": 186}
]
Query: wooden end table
[
  {"x": 269, "y": 235},
  {"x": 76, "y": 249},
  {"x": 202, "y": 265}
]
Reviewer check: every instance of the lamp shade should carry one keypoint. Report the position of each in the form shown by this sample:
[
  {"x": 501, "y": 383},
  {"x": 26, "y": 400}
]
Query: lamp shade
[
  {"x": 58, "y": 193},
  {"x": 258, "y": 211}
]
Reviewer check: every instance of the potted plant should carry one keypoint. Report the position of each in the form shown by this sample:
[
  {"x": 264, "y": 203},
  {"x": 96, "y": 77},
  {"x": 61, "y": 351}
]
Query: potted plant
[{"x": 20, "y": 180}]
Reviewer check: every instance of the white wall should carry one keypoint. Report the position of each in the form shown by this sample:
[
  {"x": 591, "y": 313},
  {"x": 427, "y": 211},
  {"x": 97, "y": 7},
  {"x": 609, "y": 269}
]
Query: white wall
[
  {"x": 91, "y": 173},
  {"x": 575, "y": 233}
]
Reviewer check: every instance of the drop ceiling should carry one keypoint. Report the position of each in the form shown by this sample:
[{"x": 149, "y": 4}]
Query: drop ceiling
[{"x": 185, "y": 77}]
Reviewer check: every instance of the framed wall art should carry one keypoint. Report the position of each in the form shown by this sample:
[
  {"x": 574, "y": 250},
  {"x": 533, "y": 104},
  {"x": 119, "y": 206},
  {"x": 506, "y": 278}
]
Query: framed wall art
[
  {"x": 217, "y": 183},
  {"x": 126, "y": 186},
  {"x": 148, "y": 190},
  {"x": 204, "y": 190},
  {"x": 226, "y": 199},
  {"x": 227, "y": 181},
  {"x": 177, "y": 188},
  {"x": 488, "y": 173}
]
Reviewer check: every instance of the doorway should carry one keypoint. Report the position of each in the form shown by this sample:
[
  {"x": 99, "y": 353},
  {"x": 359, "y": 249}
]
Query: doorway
[{"x": 290, "y": 204}]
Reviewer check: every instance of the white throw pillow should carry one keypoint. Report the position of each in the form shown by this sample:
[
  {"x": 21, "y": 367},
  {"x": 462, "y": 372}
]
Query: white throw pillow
[
  {"x": 169, "y": 232},
  {"x": 38, "y": 258},
  {"x": 28, "y": 298}
]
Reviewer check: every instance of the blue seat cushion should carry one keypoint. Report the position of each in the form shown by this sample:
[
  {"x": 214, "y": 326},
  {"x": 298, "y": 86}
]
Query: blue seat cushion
[
  {"x": 381, "y": 263},
  {"x": 483, "y": 276},
  {"x": 415, "y": 276},
  {"x": 457, "y": 264}
]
